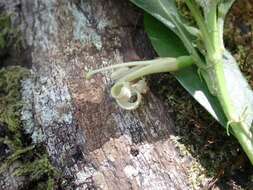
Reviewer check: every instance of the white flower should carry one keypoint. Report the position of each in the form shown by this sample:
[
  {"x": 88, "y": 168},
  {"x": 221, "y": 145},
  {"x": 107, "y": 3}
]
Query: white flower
[{"x": 128, "y": 94}]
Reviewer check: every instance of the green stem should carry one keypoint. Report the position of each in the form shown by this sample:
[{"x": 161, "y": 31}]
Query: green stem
[
  {"x": 211, "y": 17},
  {"x": 244, "y": 139},
  {"x": 212, "y": 31},
  {"x": 220, "y": 27},
  {"x": 162, "y": 67},
  {"x": 201, "y": 23},
  {"x": 128, "y": 64},
  {"x": 222, "y": 91},
  {"x": 240, "y": 131}
]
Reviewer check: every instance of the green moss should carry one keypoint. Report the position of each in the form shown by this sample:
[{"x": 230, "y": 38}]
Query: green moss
[
  {"x": 34, "y": 163},
  {"x": 10, "y": 103},
  {"x": 37, "y": 170},
  {"x": 16, "y": 155}
]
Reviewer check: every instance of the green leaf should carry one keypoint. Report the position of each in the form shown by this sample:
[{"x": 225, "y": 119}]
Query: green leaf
[
  {"x": 167, "y": 44},
  {"x": 166, "y": 12},
  {"x": 170, "y": 45}
]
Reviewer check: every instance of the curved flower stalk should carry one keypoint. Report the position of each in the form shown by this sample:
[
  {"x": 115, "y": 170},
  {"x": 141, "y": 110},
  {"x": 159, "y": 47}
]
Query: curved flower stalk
[{"x": 130, "y": 84}]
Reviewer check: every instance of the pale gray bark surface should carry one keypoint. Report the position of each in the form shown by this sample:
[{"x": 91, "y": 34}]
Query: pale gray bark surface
[{"x": 88, "y": 137}]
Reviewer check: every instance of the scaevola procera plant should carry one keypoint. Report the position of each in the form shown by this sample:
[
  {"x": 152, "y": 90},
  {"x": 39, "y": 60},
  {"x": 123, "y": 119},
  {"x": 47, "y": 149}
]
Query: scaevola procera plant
[{"x": 197, "y": 57}]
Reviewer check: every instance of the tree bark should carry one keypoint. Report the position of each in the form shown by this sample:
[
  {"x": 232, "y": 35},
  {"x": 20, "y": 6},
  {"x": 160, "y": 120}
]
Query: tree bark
[{"x": 88, "y": 137}]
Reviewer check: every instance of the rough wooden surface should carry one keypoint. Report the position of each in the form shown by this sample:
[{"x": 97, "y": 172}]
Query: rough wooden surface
[{"x": 88, "y": 138}]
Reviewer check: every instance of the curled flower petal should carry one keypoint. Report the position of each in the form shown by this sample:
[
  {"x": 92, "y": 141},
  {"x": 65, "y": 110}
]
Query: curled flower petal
[
  {"x": 126, "y": 104},
  {"x": 121, "y": 90},
  {"x": 126, "y": 96}
]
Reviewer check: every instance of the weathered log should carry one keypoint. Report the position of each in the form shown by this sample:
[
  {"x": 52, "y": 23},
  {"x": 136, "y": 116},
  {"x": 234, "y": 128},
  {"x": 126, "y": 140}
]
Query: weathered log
[{"x": 88, "y": 137}]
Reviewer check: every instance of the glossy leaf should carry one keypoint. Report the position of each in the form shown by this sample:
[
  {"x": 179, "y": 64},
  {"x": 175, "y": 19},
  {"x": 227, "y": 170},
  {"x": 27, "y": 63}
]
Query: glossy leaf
[
  {"x": 166, "y": 12},
  {"x": 166, "y": 43}
]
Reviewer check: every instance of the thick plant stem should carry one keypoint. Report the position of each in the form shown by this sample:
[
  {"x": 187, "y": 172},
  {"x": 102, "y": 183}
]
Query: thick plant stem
[
  {"x": 244, "y": 139},
  {"x": 214, "y": 58},
  {"x": 222, "y": 92},
  {"x": 143, "y": 68},
  {"x": 162, "y": 67},
  {"x": 239, "y": 129},
  {"x": 200, "y": 22}
]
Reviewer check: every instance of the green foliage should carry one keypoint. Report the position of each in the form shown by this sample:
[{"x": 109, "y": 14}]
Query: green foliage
[
  {"x": 215, "y": 64},
  {"x": 166, "y": 12},
  {"x": 167, "y": 44}
]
